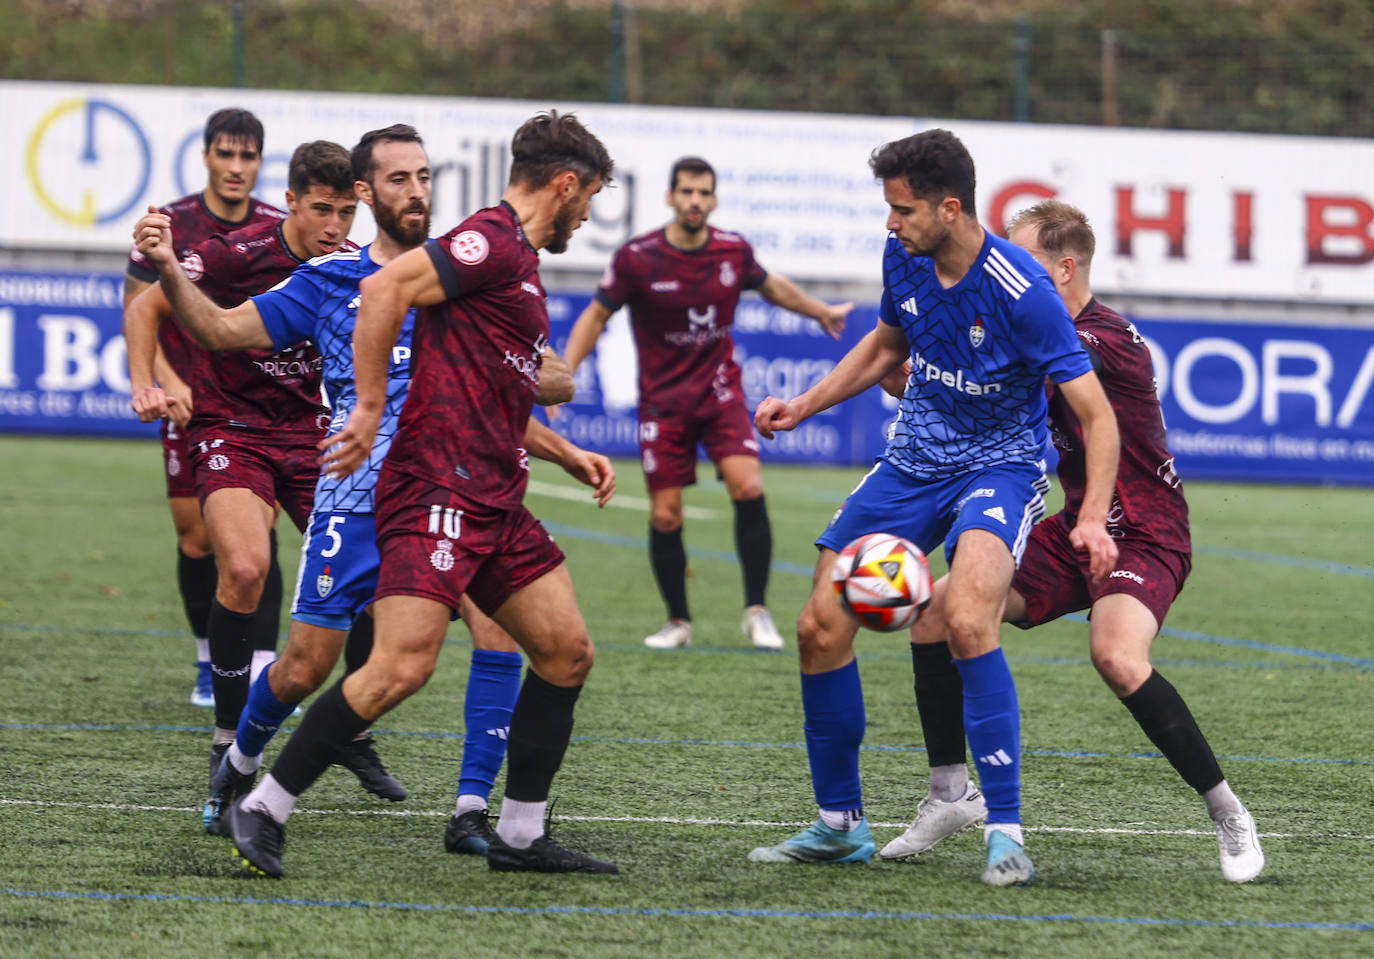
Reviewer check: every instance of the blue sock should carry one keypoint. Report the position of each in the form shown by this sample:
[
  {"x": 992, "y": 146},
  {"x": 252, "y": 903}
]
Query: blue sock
[
  {"x": 833, "y": 703},
  {"x": 261, "y": 718},
  {"x": 493, "y": 686},
  {"x": 992, "y": 723}
]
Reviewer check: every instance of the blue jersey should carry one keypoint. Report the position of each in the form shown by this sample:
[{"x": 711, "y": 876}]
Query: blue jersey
[
  {"x": 319, "y": 302},
  {"x": 980, "y": 352}
]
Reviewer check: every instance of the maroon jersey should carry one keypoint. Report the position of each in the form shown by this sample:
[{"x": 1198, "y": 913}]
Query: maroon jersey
[
  {"x": 272, "y": 393},
  {"x": 192, "y": 223},
  {"x": 477, "y": 358},
  {"x": 1148, "y": 503},
  {"x": 682, "y": 303}
]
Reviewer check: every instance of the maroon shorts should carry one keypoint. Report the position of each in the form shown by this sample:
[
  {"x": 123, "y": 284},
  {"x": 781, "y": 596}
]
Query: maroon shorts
[
  {"x": 176, "y": 458},
  {"x": 1054, "y": 578},
  {"x": 435, "y": 544},
  {"x": 668, "y": 447},
  {"x": 283, "y": 473}
]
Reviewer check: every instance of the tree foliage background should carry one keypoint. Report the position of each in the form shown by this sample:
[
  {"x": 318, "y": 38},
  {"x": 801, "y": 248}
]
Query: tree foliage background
[{"x": 1301, "y": 66}]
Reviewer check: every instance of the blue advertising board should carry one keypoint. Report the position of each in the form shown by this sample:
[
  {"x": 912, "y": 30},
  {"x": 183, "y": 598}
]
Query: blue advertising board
[{"x": 1244, "y": 401}]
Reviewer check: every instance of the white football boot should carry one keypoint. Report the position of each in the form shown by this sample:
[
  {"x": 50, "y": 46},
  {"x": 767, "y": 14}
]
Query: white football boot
[
  {"x": 760, "y": 630},
  {"x": 936, "y": 820},
  {"x": 1241, "y": 856},
  {"x": 675, "y": 634}
]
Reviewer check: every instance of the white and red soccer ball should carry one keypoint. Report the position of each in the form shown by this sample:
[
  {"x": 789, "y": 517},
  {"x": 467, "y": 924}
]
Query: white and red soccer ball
[{"x": 883, "y": 581}]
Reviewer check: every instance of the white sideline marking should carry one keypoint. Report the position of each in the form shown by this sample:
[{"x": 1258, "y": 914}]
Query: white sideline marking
[
  {"x": 680, "y": 820},
  {"x": 583, "y": 494}
]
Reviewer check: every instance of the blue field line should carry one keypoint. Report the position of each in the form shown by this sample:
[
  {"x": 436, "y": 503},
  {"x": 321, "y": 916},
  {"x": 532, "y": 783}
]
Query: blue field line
[
  {"x": 656, "y": 741},
  {"x": 1278, "y": 559},
  {"x": 685, "y": 913}
]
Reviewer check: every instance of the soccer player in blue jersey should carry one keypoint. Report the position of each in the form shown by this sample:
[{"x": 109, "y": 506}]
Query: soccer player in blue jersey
[
  {"x": 339, "y": 563},
  {"x": 983, "y": 327}
]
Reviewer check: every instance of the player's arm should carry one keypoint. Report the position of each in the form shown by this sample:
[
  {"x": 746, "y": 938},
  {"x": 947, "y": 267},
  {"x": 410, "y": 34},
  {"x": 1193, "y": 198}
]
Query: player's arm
[
  {"x": 211, "y": 325},
  {"x": 555, "y": 380},
  {"x": 780, "y": 291},
  {"x": 1102, "y": 449},
  {"x": 587, "y": 467},
  {"x": 141, "y": 318},
  {"x": 882, "y": 349},
  {"x": 409, "y": 280},
  {"x": 585, "y": 332},
  {"x": 178, "y": 391}
]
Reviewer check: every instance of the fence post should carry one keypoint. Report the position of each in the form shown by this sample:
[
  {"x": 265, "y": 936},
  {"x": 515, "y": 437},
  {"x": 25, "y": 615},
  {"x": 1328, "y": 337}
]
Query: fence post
[
  {"x": 1022, "y": 46},
  {"x": 1111, "y": 115},
  {"x": 238, "y": 14}
]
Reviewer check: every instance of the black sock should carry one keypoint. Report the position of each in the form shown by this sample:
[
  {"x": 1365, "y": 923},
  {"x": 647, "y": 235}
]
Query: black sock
[
  {"x": 1165, "y": 718},
  {"x": 327, "y": 726},
  {"x": 196, "y": 580},
  {"x": 540, "y": 727},
  {"x": 669, "y": 559},
  {"x": 231, "y": 654},
  {"x": 940, "y": 701},
  {"x": 358, "y": 645},
  {"x": 754, "y": 543},
  {"x": 267, "y": 625}
]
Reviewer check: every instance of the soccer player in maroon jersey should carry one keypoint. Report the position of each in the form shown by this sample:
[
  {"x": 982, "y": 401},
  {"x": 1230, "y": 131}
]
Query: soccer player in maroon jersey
[
  {"x": 450, "y": 513},
  {"x": 233, "y": 156},
  {"x": 682, "y": 283},
  {"x": 257, "y": 413},
  {"x": 1148, "y": 520}
]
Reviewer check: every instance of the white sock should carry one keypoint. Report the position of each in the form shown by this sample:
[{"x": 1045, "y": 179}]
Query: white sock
[
  {"x": 262, "y": 658},
  {"x": 202, "y": 650},
  {"x": 1222, "y": 802},
  {"x": 467, "y": 802},
  {"x": 1011, "y": 829},
  {"x": 842, "y": 820},
  {"x": 520, "y": 823},
  {"x": 948, "y": 783},
  {"x": 244, "y": 764},
  {"x": 272, "y": 799}
]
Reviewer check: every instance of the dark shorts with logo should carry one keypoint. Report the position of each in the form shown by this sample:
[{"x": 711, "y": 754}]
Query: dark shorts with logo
[
  {"x": 176, "y": 460},
  {"x": 1053, "y": 577},
  {"x": 439, "y": 545},
  {"x": 668, "y": 445},
  {"x": 283, "y": 473}
]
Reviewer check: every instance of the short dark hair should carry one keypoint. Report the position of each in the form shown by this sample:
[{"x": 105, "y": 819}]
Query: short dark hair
[
  {"x": 934, "y": 164},
  {"x": 362, "y": 153},
  {"x": 549, "y": 143},
  {"x": 320, "y": 163},
  {"x": 1060, "y": 227},
  {"x": 694, "y": 165},
  {"x": 236, "y": 124}
]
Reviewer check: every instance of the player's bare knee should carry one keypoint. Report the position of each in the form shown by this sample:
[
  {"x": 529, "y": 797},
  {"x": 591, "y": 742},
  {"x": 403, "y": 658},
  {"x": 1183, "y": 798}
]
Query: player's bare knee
[
  {"x": 666, "y": 521},
  {"x": 241, "y": 580},
  {"x": 969, "y": 634},
  {"x": 1120, "y": 670},
  {"x": 567, "y": 662}
]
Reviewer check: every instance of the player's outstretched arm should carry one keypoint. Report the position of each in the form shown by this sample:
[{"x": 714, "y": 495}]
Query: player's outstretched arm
[
  {"x": 212, "y": 326},
  {"x": 1102, "y": 449},
  {"x": 881, "y": 350},
  {"x": 409, "y": 280},
  {"x": 587, "y": 467},
  {"x": 781, "y": 291},
  {"x": 141, "y": 318},
  {"x": 585, "y": 332},
  {"x": 555, "y": 380}
]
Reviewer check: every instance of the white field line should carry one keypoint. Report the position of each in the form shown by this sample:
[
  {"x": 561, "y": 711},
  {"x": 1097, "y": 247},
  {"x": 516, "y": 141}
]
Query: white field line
[
  {"x": 678, "y": 820},
  {"x": 583, "y": 494}
]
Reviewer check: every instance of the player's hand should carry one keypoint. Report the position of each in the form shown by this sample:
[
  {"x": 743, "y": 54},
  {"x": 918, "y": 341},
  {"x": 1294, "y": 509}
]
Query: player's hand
[
  {"x": 834, "y": 317},
  {"x": 594, "y": 470},
  {"x": 180, "y": 405},
  {"x": 894, "y": 383},
  {"x": 349, "y": 448},
  {"x": 1093, "y": 538},
  {"x": 153, "y": 237},
  {"x": 150, "y": 403},
  {"x": 774, "y": 414}
]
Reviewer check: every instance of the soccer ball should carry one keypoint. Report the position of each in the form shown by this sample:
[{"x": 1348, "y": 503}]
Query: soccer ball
[{"x": 883, "y": 581}]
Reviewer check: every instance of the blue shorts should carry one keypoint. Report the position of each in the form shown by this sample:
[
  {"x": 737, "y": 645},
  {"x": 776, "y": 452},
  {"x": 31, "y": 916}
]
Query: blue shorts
[
  {"x": 1004, "y": 500},
  {"x": 338, "y": 572}
]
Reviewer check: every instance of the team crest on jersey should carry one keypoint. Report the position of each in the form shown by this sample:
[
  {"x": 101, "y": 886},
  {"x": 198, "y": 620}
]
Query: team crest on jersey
[
  {"x": 324, "y": 583},
  {"x": 442, "y": 557},
  {"x": 194, "y": 266},
  {"x": 727, "y": 274},
  {"x": 976, "y": 333},
  {"x": 218, "y": 462},
  {"x": 470, "y": 247}
]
